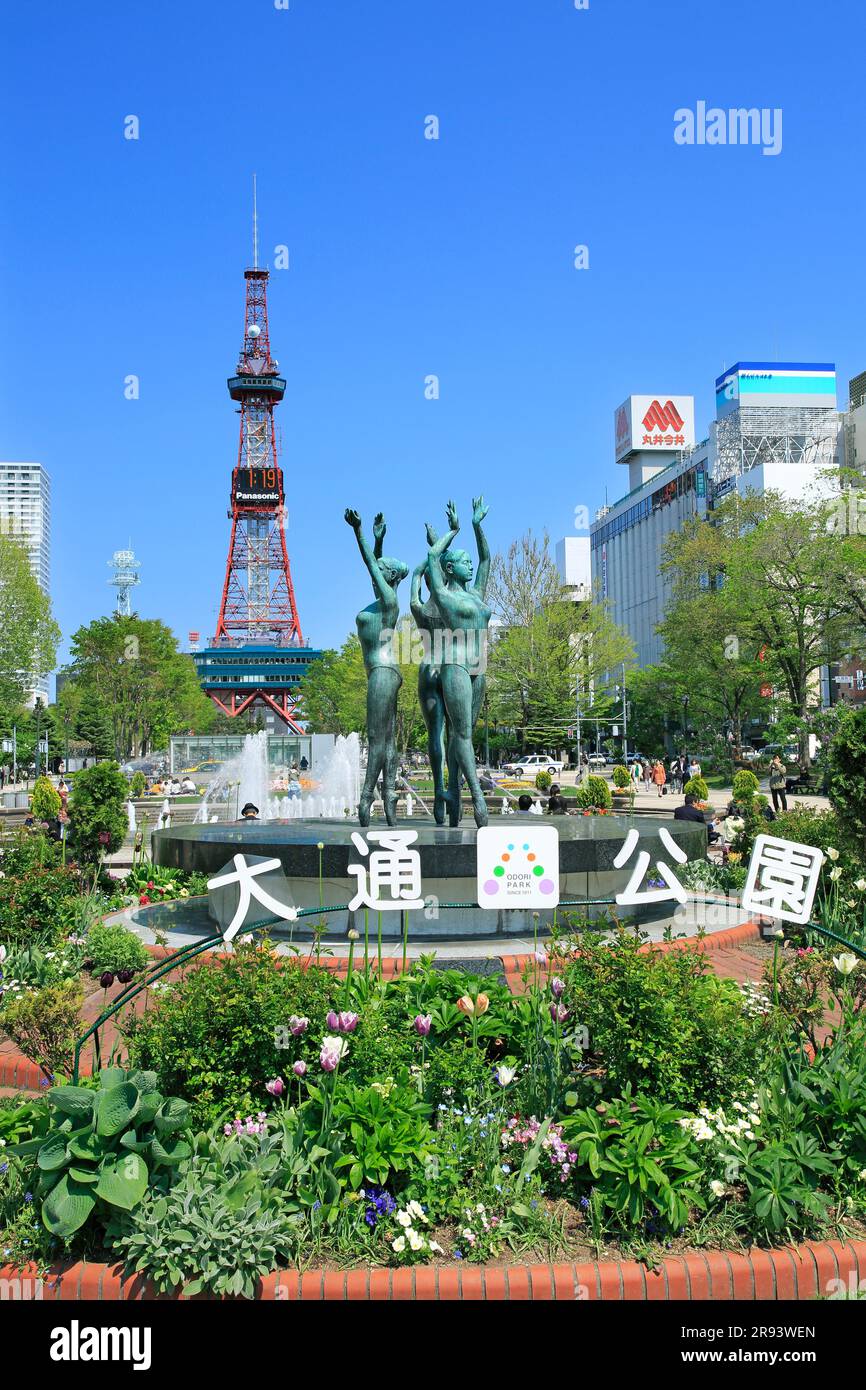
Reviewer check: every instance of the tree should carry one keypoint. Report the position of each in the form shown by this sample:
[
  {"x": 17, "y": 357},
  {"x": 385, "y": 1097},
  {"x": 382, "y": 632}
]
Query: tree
[
  {"x": 333, "y": 692},
  {"x": 550, "y": 646},
  {"x": 847, "y": 774},
  {"x": 707, "y": 660},
  {"x": 94, "y": 728},
  {"x": 128, "y": 671},
  {"x": 28, "y": 633},
  {"x": 45, "y": 801},
  {"x": 97, "y": 811}
]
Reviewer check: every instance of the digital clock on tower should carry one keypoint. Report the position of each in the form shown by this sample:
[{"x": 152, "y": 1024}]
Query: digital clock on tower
[{"x": 258, "y": 487}]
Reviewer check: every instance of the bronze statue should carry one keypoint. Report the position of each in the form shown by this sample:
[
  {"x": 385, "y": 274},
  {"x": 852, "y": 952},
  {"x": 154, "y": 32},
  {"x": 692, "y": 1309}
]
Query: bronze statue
[
  {"x": 430, "y": 683},
  {"x": 460, "y": 617},
  {"x": 375, "y": 625}
]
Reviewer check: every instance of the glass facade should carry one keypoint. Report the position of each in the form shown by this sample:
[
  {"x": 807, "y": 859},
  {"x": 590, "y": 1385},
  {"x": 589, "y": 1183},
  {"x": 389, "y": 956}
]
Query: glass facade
[{"x": 189, "y": 752}]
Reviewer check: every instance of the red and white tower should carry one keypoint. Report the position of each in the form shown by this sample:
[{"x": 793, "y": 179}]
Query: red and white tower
[{"x": 258, "y": 654}]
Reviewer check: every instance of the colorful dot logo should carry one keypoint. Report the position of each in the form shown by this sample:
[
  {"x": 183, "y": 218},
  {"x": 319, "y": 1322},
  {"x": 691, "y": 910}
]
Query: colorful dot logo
[{"x": 507, "y": 857}]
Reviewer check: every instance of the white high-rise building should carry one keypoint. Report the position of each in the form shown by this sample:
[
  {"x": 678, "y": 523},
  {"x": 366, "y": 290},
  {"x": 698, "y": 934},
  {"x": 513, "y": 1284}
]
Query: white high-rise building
[{"x": 25, "y": 514}]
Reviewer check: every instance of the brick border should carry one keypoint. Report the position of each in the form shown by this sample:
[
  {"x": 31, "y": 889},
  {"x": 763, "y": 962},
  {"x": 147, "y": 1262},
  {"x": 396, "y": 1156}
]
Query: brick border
[
  {"x": 790, "y": 1273},
  {"x": 17, "y": 1073}
]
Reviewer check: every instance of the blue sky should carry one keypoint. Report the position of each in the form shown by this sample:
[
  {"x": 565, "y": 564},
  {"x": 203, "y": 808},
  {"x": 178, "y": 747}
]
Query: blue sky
[{"x": 408, "y": 257}]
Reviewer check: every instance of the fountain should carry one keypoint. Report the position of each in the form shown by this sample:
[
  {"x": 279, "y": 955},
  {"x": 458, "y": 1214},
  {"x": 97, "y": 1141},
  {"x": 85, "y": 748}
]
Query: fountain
[{"x": 248, "y": 777}]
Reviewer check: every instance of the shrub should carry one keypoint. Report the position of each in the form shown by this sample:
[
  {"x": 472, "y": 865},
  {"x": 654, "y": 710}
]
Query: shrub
[
  {"x": 216, "y": 1036},
  {"x": 45, "y": 1026},
  {"x": 847, "y": 774},
  {"x": 40, "y": 903},
  {"x": 746, "y": 785},
  {"x": 137, "y": 784},
  {"x": 622, "y": 778},
  {"x": 696, "y": 786},
  {"x": 660, "y": 1022},
  {"x": 97, "y": 807},
  {"x": 543, "y": 781},
  {"x": 594, "y": 794},
  {"x": 29, "y": 849},
  {"x": 45, "y": 802},
  {"x": 111, "y": 946}
]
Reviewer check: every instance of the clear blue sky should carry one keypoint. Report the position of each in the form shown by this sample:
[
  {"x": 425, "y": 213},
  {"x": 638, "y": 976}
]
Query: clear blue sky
[{"x": 408, "y": 257}]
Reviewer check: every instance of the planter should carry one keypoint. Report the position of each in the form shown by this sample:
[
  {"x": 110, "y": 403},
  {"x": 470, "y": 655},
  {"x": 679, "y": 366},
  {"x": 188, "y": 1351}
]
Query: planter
[{"x": 813, "y": 1270}]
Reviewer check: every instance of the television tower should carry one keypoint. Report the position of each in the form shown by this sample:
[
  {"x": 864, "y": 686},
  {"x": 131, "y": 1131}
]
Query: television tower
[
  {"x": 258, "y": 653},
  {"x": 125, "y": 578}
]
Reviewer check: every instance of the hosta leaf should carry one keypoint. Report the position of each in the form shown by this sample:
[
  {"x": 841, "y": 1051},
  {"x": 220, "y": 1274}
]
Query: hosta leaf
[
  {"x": 172, "y": 1114},
  {"x": 86, "y": 1175},
  {"x": 123, "y": 1182},
  {"x": 111, "y": 1077},
  {"x": 116, "y": 1107},
  {"x": 52, "y": 1154},
  {"x": 169, "y": 1149},
  {"x": 72, "y": 1100},
  {"x": 67, "y": 1206},
  {"x": 86, "y": 1146}
]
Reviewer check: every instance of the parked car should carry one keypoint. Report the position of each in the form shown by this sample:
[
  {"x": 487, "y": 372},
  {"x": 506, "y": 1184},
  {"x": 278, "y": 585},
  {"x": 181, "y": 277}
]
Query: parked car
[
  {"x": 598, "y": 760},
  {"x": 532, "y": 763}
]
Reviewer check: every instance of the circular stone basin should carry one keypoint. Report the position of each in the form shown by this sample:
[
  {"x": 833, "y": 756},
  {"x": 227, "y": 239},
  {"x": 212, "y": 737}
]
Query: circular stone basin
[{"x": 588, "y": 846}]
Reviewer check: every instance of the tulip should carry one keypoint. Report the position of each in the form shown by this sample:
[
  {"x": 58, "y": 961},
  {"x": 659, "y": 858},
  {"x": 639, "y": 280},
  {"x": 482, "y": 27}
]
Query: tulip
[
  {"x": 275, "y": 1087},
  {"x": 298, "y": 1025},
  {"x": 124, "y": 976},
  {"x": 333, "y": 1049},
  {"x": 835, "y": 874},
  {"x": 300, "y": 1068},
  {"x": 2, "y": 954},
  {"x": 557, "y": 987},
  {"x": 348, "y": 1022},
  {"x": 421, "y": 1023},
  {"x": 558, "y": 1012},
  {"x": 845, "y": 963},
  {"x": 473, "y": 1007},
  {"x": 333, "y": 1020},
  {"x": 832, "y": 853},
  {"x": 505, "y": 1075},
  {"x": 860, "y": 885},
  {"x": 106, "y": 979},
  {"x": 144, "y": 900}
]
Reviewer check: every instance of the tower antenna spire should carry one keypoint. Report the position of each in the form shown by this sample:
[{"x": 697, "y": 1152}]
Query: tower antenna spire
[{"x": 255, "y": 228}]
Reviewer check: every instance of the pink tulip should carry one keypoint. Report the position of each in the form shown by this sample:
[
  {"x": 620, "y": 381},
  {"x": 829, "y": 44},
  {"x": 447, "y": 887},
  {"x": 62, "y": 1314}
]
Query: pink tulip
[
  {"x": 275, "y": 1087},
  {"x": 558, "y": 1012},
  {"x": 298, "y": 1025},
  {"x": 300, "y": 1068},
  {"x": 421, "y": 1023},
  {"x": 557, "y": 987}
]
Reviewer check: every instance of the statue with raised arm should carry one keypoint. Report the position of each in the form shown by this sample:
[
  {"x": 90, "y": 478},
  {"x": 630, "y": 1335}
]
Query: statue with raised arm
[
  {"x": 375, "y": 623},
  {"x": 460, "y": 617},
  {"x": 430, "y": 682}
]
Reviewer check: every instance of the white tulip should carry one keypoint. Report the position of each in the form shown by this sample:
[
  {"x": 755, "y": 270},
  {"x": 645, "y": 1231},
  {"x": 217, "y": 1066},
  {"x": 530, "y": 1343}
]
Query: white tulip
[
  {"x": 845, "y": 963},
  {"x": 832, "y": 853}
]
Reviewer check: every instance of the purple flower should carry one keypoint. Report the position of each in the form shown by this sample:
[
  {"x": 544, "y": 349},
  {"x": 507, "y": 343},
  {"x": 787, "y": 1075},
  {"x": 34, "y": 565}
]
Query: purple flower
[
  {"x": 106, "y": 979},
  {"x": 421, "y": 1023},
  {"x": 557, "y": 987},
  {"x": 333, "y": 1021},
  {"x": 300, "y": 1068},
  {"x": 275, "y": 1087},
  {"x": 348, "y": 1023},
  {"x": 299, "y": 1025},
  {"x": 558, "y": 1012}
]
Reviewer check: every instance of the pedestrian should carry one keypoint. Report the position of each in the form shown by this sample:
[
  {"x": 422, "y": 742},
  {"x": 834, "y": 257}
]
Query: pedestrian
[
  {"x": 658, "y": 776},
  {"x": 647, "y": 775},
  {"x": 635, "y": 773},
  {"x": 694, "y": 768},
  {"x": 690, "y": 811},
  {"x": 778, "y": 784},
  {"x": 675, "y": 777}
]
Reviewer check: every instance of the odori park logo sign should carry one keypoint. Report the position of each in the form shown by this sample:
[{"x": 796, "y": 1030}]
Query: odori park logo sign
[
  {"x": 518, "y": 867},
  {"x": 447, "y": 646}
]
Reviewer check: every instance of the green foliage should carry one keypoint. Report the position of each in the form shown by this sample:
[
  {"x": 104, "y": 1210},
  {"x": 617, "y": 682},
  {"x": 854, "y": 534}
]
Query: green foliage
[
  {"x": 45, "y": 801},
  {"x": 333, "y": 691},
  {"x": 847, "y": 775},
  {"x": 28, "y": 633},
  {"x": 543, "y": 781},
  {"x": 594, "y": 794},
  {"x": 639, "y": 1160},
  {"x": 384, "y": 1129},
  {"x": 660, "y": 1022},
  {"x": 622, "y": 778},
  {"x": 221, "y": 1032},
  {"x": 137, "y": 784},
  {"x": 696, "y": 786},
  {"x": 36, "y": 965},
  {"x": 746, "y": 785},
  {"x": 45, "y": 1025},
  {"x": 102, "y": 1147},
  {"x": 111, "y": 946},
  {"x": 40, "y": 903},
  {"x": 97, "y": 807}
]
